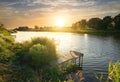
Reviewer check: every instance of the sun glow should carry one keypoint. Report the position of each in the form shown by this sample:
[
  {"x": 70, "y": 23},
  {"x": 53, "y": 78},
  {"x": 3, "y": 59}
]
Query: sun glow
[{"x": 60, "y": 22}]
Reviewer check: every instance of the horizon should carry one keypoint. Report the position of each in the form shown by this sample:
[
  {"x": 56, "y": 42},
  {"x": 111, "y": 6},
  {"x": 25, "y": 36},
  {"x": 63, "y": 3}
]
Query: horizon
[{"x": 15, "y": 13}]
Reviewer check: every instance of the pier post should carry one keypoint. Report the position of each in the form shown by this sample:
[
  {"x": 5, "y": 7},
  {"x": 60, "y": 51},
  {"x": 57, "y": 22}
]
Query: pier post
[
  {"x": 75, "y": 61},
  {"x": 79, "y": 61}
]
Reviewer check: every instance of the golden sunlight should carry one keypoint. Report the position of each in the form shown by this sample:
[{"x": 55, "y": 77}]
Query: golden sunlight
[{"x": 60, "y": 22}]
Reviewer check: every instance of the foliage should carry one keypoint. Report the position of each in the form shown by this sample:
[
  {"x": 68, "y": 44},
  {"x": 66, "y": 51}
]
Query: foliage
[
  {"x": 49, "y": 43},
  {"x": 5, "y": 51},
  {"x": 7, "y": 39},
  {"x": 53, "y": 74},
  {"x": 6, "y": 54},
  {"x": 117, "y": 21},
  {"x": 80, "y": 24},
  {"x": 100, "y": 24},
  {"x": 71, "y": 67},
  {"x": 37, "y": 52},
  {"x": 38, "y": 56},
  {"x": 107, "y": 22},
  {"x": 100, "y": 77},
  {"x": 22, "y": 28},
  {"x": 95, "y": 23},
  {"x": 23, "y": 74},
  {"x": 3, "y": 30},
  {"x": 113, "y": 73}
]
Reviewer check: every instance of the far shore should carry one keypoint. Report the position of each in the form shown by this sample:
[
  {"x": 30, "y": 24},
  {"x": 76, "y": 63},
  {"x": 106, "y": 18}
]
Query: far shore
[{"x": 83, "y": 31}]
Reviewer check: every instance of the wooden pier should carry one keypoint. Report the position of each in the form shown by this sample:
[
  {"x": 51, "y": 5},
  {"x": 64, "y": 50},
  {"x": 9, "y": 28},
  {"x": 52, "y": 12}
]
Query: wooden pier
[
  {"x": 74, "y": 56},
  {"x": 75, "y": 74}
]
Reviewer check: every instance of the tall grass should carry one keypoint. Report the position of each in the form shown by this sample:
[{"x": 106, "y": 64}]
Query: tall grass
[
  {"x": 113, "y": 73},
  {"x": 5, "y": 48}
]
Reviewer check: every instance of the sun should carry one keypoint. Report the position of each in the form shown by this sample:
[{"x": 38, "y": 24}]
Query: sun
[{"x": 60, "y": 22}]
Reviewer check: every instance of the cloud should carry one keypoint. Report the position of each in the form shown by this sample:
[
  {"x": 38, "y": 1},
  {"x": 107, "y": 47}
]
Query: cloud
[{"x": 44, "y": 9}]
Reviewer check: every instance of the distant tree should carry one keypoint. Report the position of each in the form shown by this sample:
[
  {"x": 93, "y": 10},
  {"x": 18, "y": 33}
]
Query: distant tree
[
  {"x": 117, "y": 21},
  {"x": 75, "y": 25},
  {"x": 36, "y": 27},
  {"x": 80, "y": 24},
  {"x": 23, "y": 28},
  {"x": 83, "y": 24},
  {"x": 107, "y": 22},
  {"x": 95, "y": 23}
]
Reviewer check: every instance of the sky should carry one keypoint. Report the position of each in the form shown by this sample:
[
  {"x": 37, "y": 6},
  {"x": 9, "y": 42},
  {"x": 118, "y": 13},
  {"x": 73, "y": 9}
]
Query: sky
[{"x": 15, "y": 13}]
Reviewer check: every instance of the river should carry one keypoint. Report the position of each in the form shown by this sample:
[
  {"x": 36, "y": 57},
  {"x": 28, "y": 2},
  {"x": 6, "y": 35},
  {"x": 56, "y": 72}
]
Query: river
[{"x": 98, "y": 50}]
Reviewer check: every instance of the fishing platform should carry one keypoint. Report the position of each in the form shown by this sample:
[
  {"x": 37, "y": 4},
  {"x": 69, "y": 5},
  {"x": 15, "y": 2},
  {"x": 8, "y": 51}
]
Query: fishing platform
[{"x": 74, "y": 57}]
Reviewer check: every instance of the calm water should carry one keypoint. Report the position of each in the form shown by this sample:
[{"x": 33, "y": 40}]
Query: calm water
[{"x": 98, "y": 51}]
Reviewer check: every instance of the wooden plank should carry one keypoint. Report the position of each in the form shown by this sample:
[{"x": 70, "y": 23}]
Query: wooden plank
[
  {"x": 70, "y": 56},
  {"x": 76, "y": 54}
]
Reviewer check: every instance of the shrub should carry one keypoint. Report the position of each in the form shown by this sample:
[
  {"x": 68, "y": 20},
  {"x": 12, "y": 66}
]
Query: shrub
[
  {"x": 23, "y": 74},
  {"x": 5, "y": 48},
  {"x": 49, "y": 43},
  {"x": 53, "y": 74},
  {"x": 38, "y": 55},
  {"x": 7, "y": 39},
  {"x": 5, "y": 55},
  {"x": 38, "y": 52}
]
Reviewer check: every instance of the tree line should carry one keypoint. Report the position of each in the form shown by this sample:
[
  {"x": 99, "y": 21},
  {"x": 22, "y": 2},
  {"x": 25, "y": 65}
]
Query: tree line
[{"x": 107, "y": 22}]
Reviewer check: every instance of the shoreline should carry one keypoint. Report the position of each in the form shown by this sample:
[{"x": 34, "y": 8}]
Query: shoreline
[{"x": 92, "y": 32}]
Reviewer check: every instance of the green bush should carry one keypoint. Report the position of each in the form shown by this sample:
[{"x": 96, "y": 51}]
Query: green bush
[
  {"x": 5, "y": 48},
  {"x": 49, "y": 43},
  {"x": 23, "y": 74},
  {"x": 38, "y": 56},
  {"x": 5, "y": 55},
  {"x": 6, "y": 42},
  {"x": 53, "y": 74},
  {"x": 4, "y": 31},
  {"x": 38, "y": 52}
]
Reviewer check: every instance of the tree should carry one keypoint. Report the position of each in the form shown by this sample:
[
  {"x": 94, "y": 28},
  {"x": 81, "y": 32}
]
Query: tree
[
  {"x": 36, "y": 27},
  {"x": 117, "y": 21},
  {"x": 83, "y": 24},
  {"x": 80, "y": 24},
  {"x": 75, "y": 25},
  {"x": 107, "y": 22},
  {"x": 95, "y": 23},
  {"x": 23, "y": 28}
]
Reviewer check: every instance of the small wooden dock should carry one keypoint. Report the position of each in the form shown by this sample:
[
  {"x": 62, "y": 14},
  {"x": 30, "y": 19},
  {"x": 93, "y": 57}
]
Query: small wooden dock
[{"x": 74, "y": 56}]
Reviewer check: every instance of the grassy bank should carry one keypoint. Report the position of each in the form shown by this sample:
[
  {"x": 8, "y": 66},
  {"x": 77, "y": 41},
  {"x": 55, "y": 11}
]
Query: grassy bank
[{"x": 3, "y": 31}]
